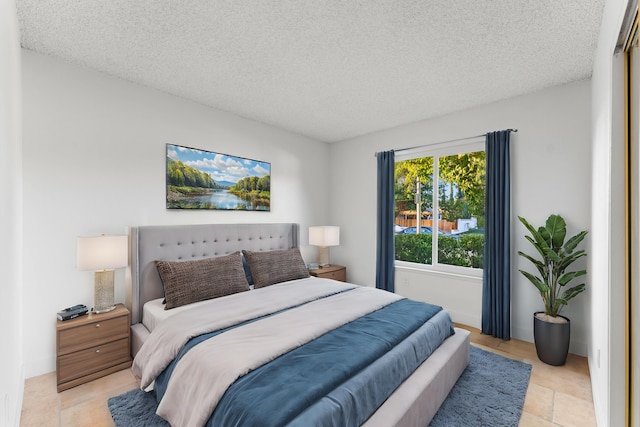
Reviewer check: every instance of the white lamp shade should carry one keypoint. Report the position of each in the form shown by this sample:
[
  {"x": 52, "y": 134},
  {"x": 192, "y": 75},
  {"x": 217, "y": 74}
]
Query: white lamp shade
[
  {"x": 103, "y": 252},
  {"x": 325, "y": 235}
]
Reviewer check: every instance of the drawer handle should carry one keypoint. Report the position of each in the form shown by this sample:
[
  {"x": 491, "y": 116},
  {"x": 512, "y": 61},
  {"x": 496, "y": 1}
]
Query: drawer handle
[
  {"x": 97, "y": 351},
  {"x": 97, "y": 325}
]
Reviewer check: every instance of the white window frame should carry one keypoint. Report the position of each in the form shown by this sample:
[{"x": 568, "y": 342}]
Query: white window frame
[{"x": 441, "y": 150}]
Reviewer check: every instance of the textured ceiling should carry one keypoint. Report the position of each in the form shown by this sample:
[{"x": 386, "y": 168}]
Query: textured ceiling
[{"x": 328, "y": 69}]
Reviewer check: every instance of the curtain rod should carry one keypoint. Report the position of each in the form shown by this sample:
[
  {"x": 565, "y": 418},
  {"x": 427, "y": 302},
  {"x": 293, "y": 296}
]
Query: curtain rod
[{"x": 444, "y": 142}]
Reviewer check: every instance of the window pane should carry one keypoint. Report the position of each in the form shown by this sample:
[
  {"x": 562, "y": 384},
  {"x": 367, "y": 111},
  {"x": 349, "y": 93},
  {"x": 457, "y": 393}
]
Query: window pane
[
  {"x": 461, "y": 183},
  {"x": 413, "y": 210}
]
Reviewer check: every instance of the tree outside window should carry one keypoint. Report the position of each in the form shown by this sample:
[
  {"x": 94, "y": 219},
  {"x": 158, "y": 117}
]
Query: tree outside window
[{"x": 441, "y": 222}]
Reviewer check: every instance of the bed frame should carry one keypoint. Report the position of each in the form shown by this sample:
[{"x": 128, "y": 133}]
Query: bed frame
[{"x": 415, "y": 402}]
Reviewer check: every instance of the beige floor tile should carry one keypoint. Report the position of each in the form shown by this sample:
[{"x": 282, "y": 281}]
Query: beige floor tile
[
  {"x": 570, "y": 411},
  {"x": 539, "y": 401},
  {"x": 530, "y": 420},
  {"x": 101, "y": 388},
  {"x": 572, "y": 379},
  {"x": 578, "y": 364},
  {"x": 563, "y": 380},
  {"x": 484, "y": 340},
  {"x": 42, "y": 383},
  {"x": 94, "y": 413},
  {"x": 40, "y": 416},
  {"x": 496, "y": 351},
  {"x": 40, "y": 389},
  {"x": 40, "y": 402},
  {"x": 517, "y": 348}
]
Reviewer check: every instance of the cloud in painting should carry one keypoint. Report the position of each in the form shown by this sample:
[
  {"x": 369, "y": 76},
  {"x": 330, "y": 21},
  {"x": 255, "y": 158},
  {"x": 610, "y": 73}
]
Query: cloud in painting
[
  {"x": 221, "y": 167},
  {"x": 260, "y": 170}
]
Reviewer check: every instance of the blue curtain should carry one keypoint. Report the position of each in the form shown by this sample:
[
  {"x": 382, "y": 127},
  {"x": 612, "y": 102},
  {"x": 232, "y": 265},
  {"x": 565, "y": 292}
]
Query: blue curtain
[
  {"x": 385, "y": 250},
  {"x": 496, "y": 284}
]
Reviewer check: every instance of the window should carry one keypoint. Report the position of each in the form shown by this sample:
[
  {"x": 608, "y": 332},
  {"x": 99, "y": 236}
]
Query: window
[{"x": 440, "y": 222}]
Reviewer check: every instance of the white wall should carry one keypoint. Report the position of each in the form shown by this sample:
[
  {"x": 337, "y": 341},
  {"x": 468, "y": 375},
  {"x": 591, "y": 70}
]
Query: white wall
[
  {"x": 94, "y": 162},
  {"x": 551, "y": 163},
  {"x": 11, "y": 367},
  {"x": 607, "y": 345}
]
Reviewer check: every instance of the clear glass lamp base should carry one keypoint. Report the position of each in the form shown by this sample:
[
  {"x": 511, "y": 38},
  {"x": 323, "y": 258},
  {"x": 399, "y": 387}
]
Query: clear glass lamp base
[{"x": 105, "y": 310}]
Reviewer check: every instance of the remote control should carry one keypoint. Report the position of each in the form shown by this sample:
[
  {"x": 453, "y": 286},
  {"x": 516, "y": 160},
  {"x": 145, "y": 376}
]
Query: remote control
[{"x": 75, "y": 307}]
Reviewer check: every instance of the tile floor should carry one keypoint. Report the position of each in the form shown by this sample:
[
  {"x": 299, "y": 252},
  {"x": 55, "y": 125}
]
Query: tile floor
[{"x": 557, "y": 396}]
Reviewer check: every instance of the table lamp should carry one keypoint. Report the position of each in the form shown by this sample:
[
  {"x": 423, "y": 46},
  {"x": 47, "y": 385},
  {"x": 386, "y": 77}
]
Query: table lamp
[
  {"x": 103, "y": 254},
  {"x": 324, "y": 236}
]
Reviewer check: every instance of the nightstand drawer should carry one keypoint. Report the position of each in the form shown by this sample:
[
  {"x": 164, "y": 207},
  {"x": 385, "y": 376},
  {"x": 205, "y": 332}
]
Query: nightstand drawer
[
  {"x": 90, "y": 360},
  {"x": 334, "y": 272},
  {"x": 92, "y": 334},
  {"x": 335, "y": 275}
]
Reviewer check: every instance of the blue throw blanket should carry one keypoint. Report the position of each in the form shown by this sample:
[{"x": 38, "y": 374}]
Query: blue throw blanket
[
  {"x": 326, "y": 380},
  {"x": 162, "y": 381}
]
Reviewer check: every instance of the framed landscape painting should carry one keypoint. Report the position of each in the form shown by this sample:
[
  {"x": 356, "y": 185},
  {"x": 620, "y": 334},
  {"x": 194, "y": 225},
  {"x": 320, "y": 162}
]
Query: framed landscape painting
[{"x": 199, "y": 179}]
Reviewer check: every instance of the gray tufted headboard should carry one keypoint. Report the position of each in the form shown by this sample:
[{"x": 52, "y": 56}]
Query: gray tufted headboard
[{"x": 176, "y": 242}]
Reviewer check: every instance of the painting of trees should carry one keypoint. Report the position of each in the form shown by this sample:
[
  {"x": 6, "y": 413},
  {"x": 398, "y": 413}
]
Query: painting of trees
[
  {"x": 181, "y": 175},
  {"x": 200, "y": 179}
]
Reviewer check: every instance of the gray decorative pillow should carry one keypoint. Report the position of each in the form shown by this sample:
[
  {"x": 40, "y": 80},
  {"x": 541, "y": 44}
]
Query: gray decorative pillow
[
  {"x": 268, "y": 268},
  {"x": 186, "y": 282}
]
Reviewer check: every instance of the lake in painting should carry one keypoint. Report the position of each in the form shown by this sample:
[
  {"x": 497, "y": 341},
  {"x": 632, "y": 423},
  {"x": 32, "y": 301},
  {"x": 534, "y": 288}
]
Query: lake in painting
[
  {"x": 220, "y": 199},
  {"x": 199, "y": 179}
]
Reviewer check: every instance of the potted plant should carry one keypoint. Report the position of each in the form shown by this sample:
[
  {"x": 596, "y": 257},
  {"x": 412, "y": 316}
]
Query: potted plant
[{"x": 551, "y": 331}]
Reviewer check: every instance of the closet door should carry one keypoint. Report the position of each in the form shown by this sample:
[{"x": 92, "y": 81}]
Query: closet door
[{"x": 633, "y": 226}]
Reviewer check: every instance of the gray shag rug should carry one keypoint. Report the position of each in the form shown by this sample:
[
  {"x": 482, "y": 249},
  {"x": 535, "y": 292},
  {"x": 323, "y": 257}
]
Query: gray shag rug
[{"x": 490, "y": 392}]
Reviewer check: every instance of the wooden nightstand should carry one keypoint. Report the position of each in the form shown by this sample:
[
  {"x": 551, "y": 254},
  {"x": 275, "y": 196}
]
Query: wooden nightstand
[
  {"x": 335, "y": 272},
  {"x": 92, "y": 346}
]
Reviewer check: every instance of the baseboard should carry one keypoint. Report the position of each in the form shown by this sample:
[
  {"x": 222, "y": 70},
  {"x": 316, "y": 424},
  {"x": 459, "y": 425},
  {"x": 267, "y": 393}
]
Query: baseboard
[
  {"x": 465, "y": 319},
  {"x": 523, "y": 334},
  {"x": 578, "y": 347},
  {"x": 598, "y": 408},
  {"x": 18, "y": 409},
  {"x": 12, "y": 402}
]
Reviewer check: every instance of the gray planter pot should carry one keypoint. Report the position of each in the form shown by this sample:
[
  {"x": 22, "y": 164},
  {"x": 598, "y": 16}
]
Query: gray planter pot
[{"x": 552, "y": 340}]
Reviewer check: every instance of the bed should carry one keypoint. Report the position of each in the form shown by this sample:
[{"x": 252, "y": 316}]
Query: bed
[{"x": 413, "y": 401}]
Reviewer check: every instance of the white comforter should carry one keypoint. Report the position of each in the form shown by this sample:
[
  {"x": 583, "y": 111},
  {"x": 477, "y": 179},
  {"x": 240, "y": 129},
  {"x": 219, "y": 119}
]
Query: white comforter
[{"x": 206, "y": 371}]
